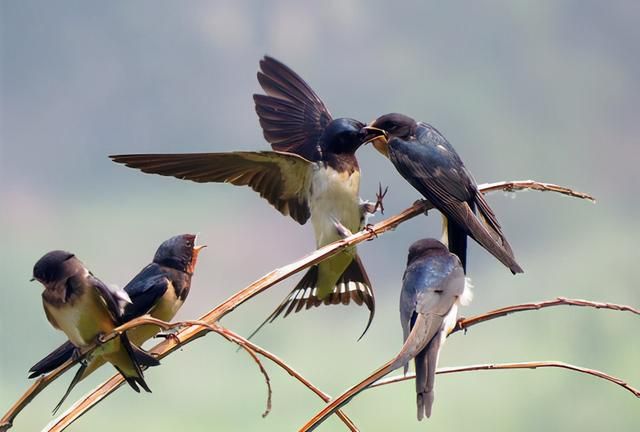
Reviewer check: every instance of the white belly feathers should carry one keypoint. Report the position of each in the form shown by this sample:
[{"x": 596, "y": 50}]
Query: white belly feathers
[{"x": 334, "y": 195}]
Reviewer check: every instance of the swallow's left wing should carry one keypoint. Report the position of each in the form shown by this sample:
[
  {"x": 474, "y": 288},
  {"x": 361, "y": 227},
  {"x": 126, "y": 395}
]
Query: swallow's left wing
[
  {"x": 145, "y": 290},
  {"x": 281, "y": 178}
]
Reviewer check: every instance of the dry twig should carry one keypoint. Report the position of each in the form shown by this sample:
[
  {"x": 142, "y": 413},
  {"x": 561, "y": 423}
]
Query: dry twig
[
  {"x": 522, "y": 365},
  {"x": 193, "y": 332},
  {"x": 465, "y": 323}
]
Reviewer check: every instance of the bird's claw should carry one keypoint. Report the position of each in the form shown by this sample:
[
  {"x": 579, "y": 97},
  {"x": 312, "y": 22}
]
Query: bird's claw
[
  {"x": 169, "y": 335},
  {"x": 379, "y": 198},
  {"x": 77, "y": 356},
  {"x": 369, "y": 228},
  {"x": 422, "y": 202}
]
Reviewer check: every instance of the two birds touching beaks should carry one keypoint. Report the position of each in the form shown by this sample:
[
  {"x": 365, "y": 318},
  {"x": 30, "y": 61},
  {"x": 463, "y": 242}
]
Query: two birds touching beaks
[{"x": 310, "y": 173}]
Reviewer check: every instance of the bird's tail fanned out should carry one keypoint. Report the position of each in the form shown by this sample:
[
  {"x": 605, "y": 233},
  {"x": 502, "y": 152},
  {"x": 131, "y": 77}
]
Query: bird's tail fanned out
[{"x": 353, "y": 285}]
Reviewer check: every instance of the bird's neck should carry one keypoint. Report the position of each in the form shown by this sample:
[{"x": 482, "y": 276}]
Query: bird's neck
[{"x": 342, "y": 162}]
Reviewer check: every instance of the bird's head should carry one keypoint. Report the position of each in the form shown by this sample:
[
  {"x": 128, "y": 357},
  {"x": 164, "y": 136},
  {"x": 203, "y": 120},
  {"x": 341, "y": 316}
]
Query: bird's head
[
  {"x": 389, "y": 126},
  {"x": 179, "y": 252},
  {"x": 425, "y": 247},
  {"x": 56, "y": 266},
  {"x": 344, "y": 135}
]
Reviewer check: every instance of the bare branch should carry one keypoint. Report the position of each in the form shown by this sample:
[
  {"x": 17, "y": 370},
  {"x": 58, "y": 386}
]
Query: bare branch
[
  {"x": 193, "y": 332},
  {"x": 375, "y": 378},
  {"x": 486, "y": 188},
  {"x": 465, "y": 323},
  {"x": 523, "y": 365}
]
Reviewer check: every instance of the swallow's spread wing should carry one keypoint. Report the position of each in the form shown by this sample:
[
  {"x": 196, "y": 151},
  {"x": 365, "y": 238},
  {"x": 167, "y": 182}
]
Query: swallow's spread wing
[
  {"x": 281, "y": 178},
  {"x": 145, "y": 290},
  {"x": 291, "y": 114}
]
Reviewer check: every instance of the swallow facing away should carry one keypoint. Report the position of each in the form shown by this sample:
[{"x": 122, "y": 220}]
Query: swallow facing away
[
  {"x": 312, "y": 172},
  {"x": 84, "y": 308},
  {"x": 433, "y": 286},
  {"x": 431, "y": 165}
]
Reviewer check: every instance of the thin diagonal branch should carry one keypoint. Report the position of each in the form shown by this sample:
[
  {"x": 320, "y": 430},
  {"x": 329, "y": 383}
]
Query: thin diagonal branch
[
  {"x": 522, "y": 365},
  {"x": 465, "y": 323},
  {"x": 193, "y": 332}
]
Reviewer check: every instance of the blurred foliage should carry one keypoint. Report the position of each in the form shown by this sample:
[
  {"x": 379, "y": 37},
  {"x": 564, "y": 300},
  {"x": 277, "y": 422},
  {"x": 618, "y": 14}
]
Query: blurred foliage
[{"x": 546, "y": 90}]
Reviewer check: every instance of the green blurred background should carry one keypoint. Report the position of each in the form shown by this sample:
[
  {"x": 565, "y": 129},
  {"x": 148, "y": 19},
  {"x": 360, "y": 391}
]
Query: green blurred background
[{"x": 546, "y": 90}]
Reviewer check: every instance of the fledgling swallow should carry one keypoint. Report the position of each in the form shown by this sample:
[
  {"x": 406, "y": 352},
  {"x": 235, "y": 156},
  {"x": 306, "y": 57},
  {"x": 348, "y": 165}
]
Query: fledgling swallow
[
  {"x": 431, "y": 165},
  {"x": 84, "y": 308},
  {"x": 433, "y": 286},
  {"x": 312, "y": 172},
  {"x": 159, "y": 290}
]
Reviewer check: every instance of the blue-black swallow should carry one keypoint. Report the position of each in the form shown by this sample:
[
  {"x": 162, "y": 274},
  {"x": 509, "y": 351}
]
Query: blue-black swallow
[
  {"x": 433, "y": 286},
  {"x": 312, "y": 173},
  {"x": 84, "y": 308},
  {"x": 431, "y": 165},
  {"x": 159, "y": 290}
]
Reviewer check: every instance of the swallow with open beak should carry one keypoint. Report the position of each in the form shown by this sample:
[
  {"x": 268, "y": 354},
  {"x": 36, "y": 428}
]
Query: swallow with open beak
[
  {"x": 312, "y": 173},
  {"x": 433, "y": 286},
  {"x": 431, "y": 165},
  {"x": 158, "y": 290},
  {"x": 84, "y": 308}
]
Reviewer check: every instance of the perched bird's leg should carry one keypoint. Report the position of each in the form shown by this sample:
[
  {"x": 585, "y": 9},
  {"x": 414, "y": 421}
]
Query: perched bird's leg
[{"x": 372, "y": 208}]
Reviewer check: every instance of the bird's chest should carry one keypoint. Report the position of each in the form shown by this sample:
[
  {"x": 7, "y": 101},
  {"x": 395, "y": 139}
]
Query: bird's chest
[
  {"x": 334, "y": 195},
  {"x": 165, "y": 309},
  {"x": 81, "y": 319}
]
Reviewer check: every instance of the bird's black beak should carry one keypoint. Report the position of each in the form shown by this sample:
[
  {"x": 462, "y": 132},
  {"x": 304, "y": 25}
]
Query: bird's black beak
[{"x": 32, "y": 279}]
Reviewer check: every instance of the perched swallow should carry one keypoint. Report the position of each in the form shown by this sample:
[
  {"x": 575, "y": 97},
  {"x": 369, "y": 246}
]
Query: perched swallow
[
  {"x": 431, "y": 165},
  {"x": 312, "y": 173},
  {"x": 433, "y": 286},
  {"x": 84, "y": 308},
  {"x": 159, "y": 290}
]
